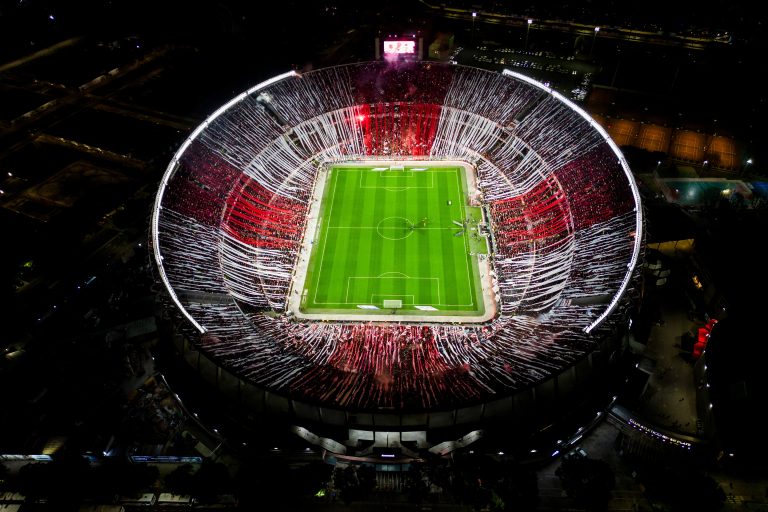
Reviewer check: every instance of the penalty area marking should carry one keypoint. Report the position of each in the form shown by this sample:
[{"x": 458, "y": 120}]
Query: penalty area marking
[
  {"x": 387, "y": 275},
  {"x": 395, "y": 174}
]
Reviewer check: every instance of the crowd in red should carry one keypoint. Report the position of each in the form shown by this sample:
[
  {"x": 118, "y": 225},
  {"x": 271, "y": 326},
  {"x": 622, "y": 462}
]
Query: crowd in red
[
  {"x": 399, "y": 129},
  {"x": 587, "y": 180},
  {"x": 261, "y": 218}
]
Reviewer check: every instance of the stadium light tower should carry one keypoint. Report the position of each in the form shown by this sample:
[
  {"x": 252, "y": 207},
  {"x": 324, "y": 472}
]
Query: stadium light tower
[
  {"x": 527, "y": 29},
  {"x": 746, "y": 165},
  {"x": 592, "y": 49},
  {"x": 265, "y": 100}
]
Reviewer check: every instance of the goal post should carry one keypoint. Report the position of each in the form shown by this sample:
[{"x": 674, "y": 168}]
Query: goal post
[{"x": 393, "y": 303}]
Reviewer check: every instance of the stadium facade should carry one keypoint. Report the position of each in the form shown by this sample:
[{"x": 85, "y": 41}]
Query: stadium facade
[{"x": 567, "y": 235}]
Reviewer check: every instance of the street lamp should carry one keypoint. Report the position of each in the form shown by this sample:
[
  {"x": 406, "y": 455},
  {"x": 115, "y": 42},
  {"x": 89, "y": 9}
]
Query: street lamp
[
  {"x": 527, "y": 29},
  {"x": 591, "y": 50},
  {"x": 474, "y": 15},
  {"x": 746, "y": 165}
]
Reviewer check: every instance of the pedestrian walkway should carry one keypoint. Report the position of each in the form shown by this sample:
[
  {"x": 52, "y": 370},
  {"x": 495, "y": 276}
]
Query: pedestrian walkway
[
  {"x": 599, "y": 444},
  {"x": 669, "y": 400}
]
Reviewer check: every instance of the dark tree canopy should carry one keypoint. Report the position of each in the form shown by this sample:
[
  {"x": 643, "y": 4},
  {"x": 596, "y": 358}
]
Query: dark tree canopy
[{"x": 588, "y": 482}]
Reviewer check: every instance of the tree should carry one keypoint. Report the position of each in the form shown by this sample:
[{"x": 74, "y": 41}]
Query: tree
[
  {"x": 354, "y": 482},
  {"x": 346, "y": 481},
  {"x": 704, "y": 493},
  {"x": 312, "y": 477},
  {"x": 63, "y": 482},
  {"x": 474, "y": 476},
  {"x": 180, "y": 480},
  {"x": 256, "y": 480},
  {"x": 4, "y": 477},
  {"x": 34, "y": 480},
  {"x": 415, "y": 486},
  {"x": 366, "y": 476},
  {"x": 210, "y": 481},
  {"x": 682, "y": 487},
  {"x": 518, "y": 488},
  {"x": 116, "y": 476},
  {"x": 588, "y": 482}
]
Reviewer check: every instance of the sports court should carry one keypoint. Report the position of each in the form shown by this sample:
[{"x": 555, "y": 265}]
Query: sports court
[
  {"x": 695, "y": 192},
  {"x": 395, "y": 239}
]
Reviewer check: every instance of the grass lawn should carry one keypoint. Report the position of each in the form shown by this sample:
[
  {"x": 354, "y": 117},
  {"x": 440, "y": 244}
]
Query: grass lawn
[{"x": 395, "y": 235}]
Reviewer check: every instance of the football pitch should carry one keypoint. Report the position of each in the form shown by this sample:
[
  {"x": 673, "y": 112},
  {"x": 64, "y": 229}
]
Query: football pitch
[{"x": 395, "y": 239}]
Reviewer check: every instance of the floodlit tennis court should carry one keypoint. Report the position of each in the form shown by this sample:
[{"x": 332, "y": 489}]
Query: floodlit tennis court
[{"x": 395, "y": 239}]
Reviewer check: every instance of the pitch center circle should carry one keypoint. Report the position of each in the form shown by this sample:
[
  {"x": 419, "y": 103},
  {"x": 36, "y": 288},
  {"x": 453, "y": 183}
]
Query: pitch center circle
[{"x": 394, "y": 228}]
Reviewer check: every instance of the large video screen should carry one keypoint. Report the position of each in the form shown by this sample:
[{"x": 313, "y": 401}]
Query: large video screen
[{"x": 398, "y": 47}]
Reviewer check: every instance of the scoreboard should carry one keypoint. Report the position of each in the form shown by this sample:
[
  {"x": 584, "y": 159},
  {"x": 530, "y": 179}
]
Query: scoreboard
[{"x": 399, "y": 48}]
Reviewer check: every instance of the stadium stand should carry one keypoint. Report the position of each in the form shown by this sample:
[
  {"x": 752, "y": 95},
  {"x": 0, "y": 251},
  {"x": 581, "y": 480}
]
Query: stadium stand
[{"x": 563, "y": 208}]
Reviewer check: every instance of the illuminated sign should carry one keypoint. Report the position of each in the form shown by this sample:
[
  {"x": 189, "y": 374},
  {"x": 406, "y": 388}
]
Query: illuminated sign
[
  {"x": 398, "y": 47},
  {"x": 45, "y": 458},
  {"x": 170, "y": 459}
]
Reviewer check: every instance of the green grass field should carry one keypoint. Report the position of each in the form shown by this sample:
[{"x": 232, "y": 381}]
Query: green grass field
[{"x": 390, "y": 235}]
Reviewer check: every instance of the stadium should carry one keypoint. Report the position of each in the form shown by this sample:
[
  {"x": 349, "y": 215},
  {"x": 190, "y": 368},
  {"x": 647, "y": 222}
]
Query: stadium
[{"x": 538, "y": 218}]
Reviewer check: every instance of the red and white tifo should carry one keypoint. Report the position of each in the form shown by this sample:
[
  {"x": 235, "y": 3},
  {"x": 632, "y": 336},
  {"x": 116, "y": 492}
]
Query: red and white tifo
[{"x": 567, "y": 227}]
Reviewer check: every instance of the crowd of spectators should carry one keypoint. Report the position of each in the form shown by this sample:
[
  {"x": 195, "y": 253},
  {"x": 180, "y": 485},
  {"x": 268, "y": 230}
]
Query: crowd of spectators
[
  {"x": 537, "y": 223},
  {"x": 490, "y": 95},
  {"x": 587, "y": 180},
  {"x": 399, "y": 129},
  {"x": 409, "y": 367}
]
